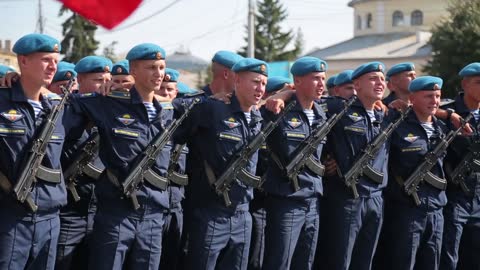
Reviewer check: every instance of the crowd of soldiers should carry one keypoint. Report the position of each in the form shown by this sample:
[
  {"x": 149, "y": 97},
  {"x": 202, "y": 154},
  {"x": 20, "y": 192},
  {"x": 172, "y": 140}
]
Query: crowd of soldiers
[{"x": 123, "y": 166}]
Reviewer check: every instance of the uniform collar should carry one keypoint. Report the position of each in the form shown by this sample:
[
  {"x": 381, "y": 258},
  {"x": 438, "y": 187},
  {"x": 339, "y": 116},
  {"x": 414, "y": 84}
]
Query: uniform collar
[
  {"x": 18, "y": 95},
  {"x": 460, "y": 106},
  {"x": 235, "y": 108},
  {"x": 317, "y": 109},
  {"x": 135, "y": 96},
  {"x": 207, "y": 90},
  {"x": 412, "y": 117}
]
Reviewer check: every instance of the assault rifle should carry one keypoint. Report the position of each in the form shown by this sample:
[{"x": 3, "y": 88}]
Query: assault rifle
[
  {"x": 361, "y": 165},
  {"x": 468, "y": 164},
  {"x": 236, "y": 168},
  {"x": 422, "y": 172},
  {"x": 147, "y": 158},
  {"x": 304, "y": 156},
  {"x": 32, "y": 167}
]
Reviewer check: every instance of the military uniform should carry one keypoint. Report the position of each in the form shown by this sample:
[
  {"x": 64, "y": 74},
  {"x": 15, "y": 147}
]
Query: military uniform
[
  {"x": 415, "y": 232},
  {"x": 354, "y": 224},
  {"x": 27, "y": 239},
  {"x": 293, "y": 216},
  {"x": 76, "y": 218},
  {"x": 462, "y": 213},
  {"x": 216, "y": 131}
]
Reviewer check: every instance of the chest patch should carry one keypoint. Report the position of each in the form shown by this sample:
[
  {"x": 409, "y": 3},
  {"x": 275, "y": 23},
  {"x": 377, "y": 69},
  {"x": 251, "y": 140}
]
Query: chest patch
[
  {"x": 126, "y": 132},
  {"x": 12, "y": 115},
  {"x": 126, "y": 119},
  {"x": 411, "y": 138},
  {"x": 355, "y": 129},
  {"x": 231, "y": 122},
  {"x": 355, "y": 117},
  {"x": 294, "y": 122},
  {"x": 12, "y": 131},
  {"x": 229, "y": 137}
]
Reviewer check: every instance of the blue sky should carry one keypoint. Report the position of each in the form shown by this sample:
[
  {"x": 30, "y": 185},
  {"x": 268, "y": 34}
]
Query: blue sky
[{"x": 203, "y": 27}]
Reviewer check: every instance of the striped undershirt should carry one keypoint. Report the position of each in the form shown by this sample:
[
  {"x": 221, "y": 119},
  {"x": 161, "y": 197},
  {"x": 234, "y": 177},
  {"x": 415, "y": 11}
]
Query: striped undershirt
[
  {"x": 310, "y": 115},
  {"x": 248, "y": 117},
  {"x": 476, "y": 114},
  {"x": 428, "y": 127},
  {"x": 37, "y": 107},
  {"x": 151, "y": 110}
]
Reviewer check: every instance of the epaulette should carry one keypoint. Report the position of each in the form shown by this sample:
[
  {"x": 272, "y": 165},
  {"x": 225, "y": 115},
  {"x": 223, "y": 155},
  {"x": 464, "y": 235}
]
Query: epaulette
[
  {"x": 88, "y": 95},
  {"x": 197, "y": 93},
  {"x": 52, "y": 96},
  {"x": 119, "y": 94},
  {"x": 446, "y": 101},
  {"x": 166, "y": 105}
]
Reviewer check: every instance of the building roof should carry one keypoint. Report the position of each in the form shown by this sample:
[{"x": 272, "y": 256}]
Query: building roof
[
  {"x": 378, "y": 46},
  {"x": 186, "y": 61}
]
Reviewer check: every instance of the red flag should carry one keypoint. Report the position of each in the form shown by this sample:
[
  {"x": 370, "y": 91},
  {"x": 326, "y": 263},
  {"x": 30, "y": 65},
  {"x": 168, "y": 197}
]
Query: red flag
[{"x": 107, "y": 13}]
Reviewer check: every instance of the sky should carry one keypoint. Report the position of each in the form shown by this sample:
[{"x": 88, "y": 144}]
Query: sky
[{"x": 200, "y": 26}]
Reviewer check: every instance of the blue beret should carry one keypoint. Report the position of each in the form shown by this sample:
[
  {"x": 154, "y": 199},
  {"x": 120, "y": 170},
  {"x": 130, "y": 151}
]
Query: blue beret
[
  {"x": 425, "y": 83},
  {"x": 252, "y": 65},
  {"x": 407, "y": 66},
  {"x": 367, "y": 68},
  {"x": 93, "y": 64},
  {"x": 276, "y": 83},
  {"x": 171, "y": 75},
  {"x": 146, "y": 51},
  {"x": 184, "y": 89},
  {"x": 5, "y": 69},
  {"x": 344, "y": 77},
  {"x": 307, "y": 64},
  {"x": 331, "y": 81},
  {"x": 65, "y": 71},
  {"x": 32, "y": 43},
  {"x": 226, "y": 58},
  {"x": 472, "y": 69},
  {"x": 121, "y": 67}
]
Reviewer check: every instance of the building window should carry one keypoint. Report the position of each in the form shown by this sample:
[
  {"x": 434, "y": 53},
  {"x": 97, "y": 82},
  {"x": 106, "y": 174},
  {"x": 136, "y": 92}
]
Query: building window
[
  {"x": 359, "y": 22},
  {"x": 397, "y": 18},
  {"x": 417, "y": 17},
  {"x": 369, "y": 20}
]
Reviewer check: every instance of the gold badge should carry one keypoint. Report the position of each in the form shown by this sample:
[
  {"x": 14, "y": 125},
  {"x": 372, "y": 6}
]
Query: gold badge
[
  {"x": 231, "y": 122},
  {"x": 106, "y": 69},
  {"x": 55, "y": 48},
  {"x": 158, "y": 55},
  {"x": 126, "y": 119},
  {"x": 68, "y": 75},
  {"x": 436, "y": 87},
  {"x": 12, "y": 115},
  {"x": 322, "y": 66},
  {"x": 263, "y": 68},
  {"x": 167, "y": 78},
  {"x": 380, "y": 67},
  {"x": 119, "y": 70}
]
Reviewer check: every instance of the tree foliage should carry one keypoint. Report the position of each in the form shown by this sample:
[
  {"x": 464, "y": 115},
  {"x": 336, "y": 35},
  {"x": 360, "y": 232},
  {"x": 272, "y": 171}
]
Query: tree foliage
[
  {"x": 455, "y": 42},
  {"x": 271, "y": 43},
  {"x": 78, "y": 37}
]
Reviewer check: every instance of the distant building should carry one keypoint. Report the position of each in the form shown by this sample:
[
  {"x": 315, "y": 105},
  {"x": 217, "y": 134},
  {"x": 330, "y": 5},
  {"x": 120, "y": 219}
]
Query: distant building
[
  {"x": 192, "y": 68},
  {"x": 390, "y": 31},
  {"x": 7, "y": 57}
]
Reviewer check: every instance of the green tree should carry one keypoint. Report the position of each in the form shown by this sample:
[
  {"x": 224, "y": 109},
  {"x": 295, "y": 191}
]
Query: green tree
[
  {"x": 78, "y": 37},
  {"x": 271, "y": 43},
  {"x": 455, "y": 42},
  {"x": 109, "y": 51}
]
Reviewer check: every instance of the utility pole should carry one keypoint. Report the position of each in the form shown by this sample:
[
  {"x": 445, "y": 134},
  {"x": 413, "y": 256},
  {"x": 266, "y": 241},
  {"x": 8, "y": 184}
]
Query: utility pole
[
  {"x": 251, "y": 28},
  {"x": 40, "y": 18}
]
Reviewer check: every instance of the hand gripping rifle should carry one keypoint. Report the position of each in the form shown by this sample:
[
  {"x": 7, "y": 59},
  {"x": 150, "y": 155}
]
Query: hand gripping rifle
[
  {"x": 147, "y": 158},
  {"x": 236, "y": 168},
  {"x": 422, "y": 172},
  {"x": 361, "y": 165},
  {"x": 304, "y": 157},
  {"x": 33, "y": 162}
]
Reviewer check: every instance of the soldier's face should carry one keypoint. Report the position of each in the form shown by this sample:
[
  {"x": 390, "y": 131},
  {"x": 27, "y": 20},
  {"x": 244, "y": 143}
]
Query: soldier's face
[
  {"x": 168, "y": 90},
  {"x": 39, "y": 68},
  {"x": 91, "y": 82},
  {"x": 148, "y": 74},
  {"x": 122, "y": 81},
  {"x": 425, "y": 103},
  {"x": 311, "y": 85},
  {"x": 345, "y": 91},
  {"x": 370, "y": 86},
  {"x": 471, "y": 86},
  {"x": 250, "y": 87},
  {"x": 401, "y": 81}
]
